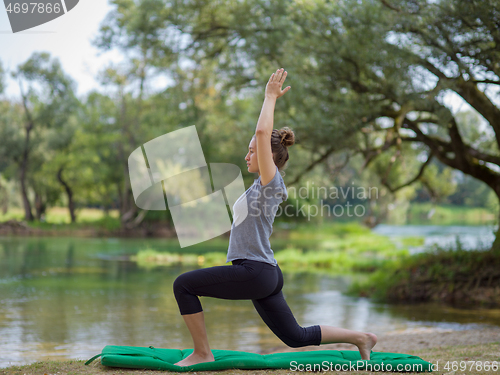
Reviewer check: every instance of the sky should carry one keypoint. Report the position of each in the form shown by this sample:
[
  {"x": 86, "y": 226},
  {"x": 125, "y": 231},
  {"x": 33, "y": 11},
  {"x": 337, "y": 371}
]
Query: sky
[{"x": 67, "y": 37}]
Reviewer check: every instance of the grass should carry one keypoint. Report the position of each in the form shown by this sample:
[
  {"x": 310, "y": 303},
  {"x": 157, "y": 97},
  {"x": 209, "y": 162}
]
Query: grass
[
  {"x": 442, "y": 357},
  {"x": 150, "y": 258},
  {"x": 58, "y": 218},
  {"x": 60, "y": 215}
]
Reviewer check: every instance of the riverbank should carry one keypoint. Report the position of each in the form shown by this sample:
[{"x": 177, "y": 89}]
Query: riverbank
[
  {"x": 440, "y": 347},
  {"x": 453, "y": 276},
  {"x": 106, "y": 227}
]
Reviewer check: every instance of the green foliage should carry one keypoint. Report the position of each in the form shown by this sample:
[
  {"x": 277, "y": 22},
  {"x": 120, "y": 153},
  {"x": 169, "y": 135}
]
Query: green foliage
[
  {"x": 108, "y": 223},
  {"x": 431, "y": 214},
  {"x": 412, "y": 241},
  {"x": 328, "y": 229},
  {"x": 453, "y": 275},
  {"x": 471, "y": 192},
  {"x": 11, "y": 147},
  {"x": 149, "y": 259},
  {"x": 50, "y": 90},
  {"x": 440, "y": 184},
  {"x": 2, "y": 79},
  {"x": 39, "y": 130},
  {"x": 342, "y": 248},
  {"x": 331, "y": 262}
]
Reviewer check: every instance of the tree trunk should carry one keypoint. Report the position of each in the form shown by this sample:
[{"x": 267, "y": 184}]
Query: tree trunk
[
  {"x": 131, "y": 224},
  {"x": 69, "y": 193},
  {"x": 130, "y": 214},
  {"x": 40, "y": 205},
  {"x": 28, "y": 215},
  {"x": 496, "y": 243},
  {"x": 125, "y": 204},
  {"x": 4, "y": 201},
  {"x": 128, "y": 208}
]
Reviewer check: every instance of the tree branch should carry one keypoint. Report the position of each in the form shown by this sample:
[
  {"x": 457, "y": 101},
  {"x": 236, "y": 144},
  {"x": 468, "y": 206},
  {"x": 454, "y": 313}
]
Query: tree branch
[
  {"x": 335, "y": 170},
  {"x": 371, "y": 154},
  {"x": 457, "y": 144},
  {"x": 392, "y": 7},
  {"x": 446, "y": 147},
  {"x": 313, "y": 164},
  {"x": 488, "y": 158},
  {"x": 489, "y": 81},
  {"x": 421, "y": 171},
  {"x": 472, "y": 167},
  {"x": 481, "y": 103},
  {"x": 434, "y": 144}
]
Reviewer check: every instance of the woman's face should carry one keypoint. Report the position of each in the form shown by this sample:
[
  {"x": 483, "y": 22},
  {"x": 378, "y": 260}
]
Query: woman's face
[{"x": 251, "y": 158}]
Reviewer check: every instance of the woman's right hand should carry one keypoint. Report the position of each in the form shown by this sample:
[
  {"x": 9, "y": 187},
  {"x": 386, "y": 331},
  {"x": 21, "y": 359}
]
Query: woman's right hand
[{"x": 273, "y": 87}]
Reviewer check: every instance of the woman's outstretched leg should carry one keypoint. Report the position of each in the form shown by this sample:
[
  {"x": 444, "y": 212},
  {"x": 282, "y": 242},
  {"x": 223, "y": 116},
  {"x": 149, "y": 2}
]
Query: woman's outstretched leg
[
  {"x": 364, "y": 341},
  {"x": 276, "y": 313},
  {"x": 201, "y": 352}
]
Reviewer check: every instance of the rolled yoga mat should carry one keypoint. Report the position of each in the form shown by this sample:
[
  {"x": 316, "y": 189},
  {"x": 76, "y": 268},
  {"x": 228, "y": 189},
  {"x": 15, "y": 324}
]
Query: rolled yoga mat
[{"x": 318, "y": 360}]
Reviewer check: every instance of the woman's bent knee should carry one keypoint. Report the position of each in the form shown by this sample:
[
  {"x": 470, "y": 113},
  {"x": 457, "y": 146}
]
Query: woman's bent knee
[
  {"x": 188, "y": 302},
  {"x": 177, "y": 284},
  {"x": 180, "y": 284}
]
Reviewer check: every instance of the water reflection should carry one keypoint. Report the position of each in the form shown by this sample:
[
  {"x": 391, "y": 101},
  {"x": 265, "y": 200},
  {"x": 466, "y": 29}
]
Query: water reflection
[{"x": 61, "y": 298}]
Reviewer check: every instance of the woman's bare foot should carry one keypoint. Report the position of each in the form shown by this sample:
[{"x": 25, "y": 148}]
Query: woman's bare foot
[
  {"x": 195, "y": 358},
  {"x": 366, "y": 346}
]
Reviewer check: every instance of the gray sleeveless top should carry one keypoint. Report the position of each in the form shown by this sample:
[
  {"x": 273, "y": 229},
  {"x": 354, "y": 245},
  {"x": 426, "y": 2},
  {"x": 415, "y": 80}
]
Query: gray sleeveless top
[{"x": 249, "y": 238}]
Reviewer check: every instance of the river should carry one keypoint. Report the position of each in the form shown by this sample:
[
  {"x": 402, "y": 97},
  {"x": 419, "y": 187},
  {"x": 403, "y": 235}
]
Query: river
[{"x": 66, "y": 298}]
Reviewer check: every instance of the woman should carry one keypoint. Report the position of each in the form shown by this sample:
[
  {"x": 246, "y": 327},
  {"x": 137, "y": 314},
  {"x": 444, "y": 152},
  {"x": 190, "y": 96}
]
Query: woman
[{"x": 254, "y": 273}]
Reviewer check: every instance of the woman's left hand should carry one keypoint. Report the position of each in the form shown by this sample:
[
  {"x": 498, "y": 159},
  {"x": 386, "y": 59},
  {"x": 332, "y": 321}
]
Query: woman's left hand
[{"x": 273, "y": 87}]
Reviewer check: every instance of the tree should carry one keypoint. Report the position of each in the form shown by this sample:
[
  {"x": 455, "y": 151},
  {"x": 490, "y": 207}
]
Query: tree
[
  {"x": 140, "y": 30},
  {"x": 2, "y": 78},
  {"x": 367, "y": 76},
  {"x": 3, "y": 161},
  {"x": 137, "y": 30},
  {"x": 448, "y": 46},
  {"x": 100, "y": 173},
  {"x": 375, "y": 70},
  {"x": 47, "y": 102},
  {"x": 10, "y": 145}
]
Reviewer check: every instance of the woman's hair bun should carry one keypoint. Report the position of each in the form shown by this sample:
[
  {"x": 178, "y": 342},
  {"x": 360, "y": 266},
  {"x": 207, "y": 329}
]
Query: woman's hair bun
[{"x": 287, "y": 136}]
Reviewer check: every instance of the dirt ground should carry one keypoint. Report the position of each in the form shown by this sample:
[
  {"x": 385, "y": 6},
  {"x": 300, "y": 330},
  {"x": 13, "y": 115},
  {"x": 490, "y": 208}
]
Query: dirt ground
[{"x": 432, "y": 345}]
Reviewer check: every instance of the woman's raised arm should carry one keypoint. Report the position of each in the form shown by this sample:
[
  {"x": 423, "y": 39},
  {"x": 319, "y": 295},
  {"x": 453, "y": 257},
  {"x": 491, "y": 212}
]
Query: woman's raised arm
[{"x": 264, "y": 129}]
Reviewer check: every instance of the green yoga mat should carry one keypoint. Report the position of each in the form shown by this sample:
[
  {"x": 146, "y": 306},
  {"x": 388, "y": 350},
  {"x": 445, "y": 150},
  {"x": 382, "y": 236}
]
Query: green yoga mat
[{"x": 317, "y": 360}]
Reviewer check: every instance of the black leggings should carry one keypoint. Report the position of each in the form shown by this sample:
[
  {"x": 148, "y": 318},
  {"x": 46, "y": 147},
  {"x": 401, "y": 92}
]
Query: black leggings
[{"x": 246, "y": 279}]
